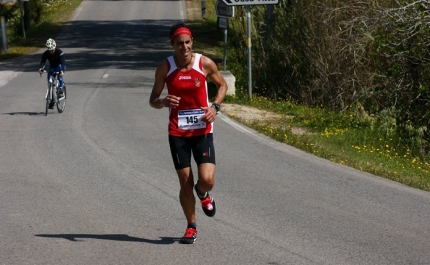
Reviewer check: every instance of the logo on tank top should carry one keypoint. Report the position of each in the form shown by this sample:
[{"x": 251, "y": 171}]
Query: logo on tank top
[
  {"x": 184, "y": 77},
  {"x": 197, "y": 82}
]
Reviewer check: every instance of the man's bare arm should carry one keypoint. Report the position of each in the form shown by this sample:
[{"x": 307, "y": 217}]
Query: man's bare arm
[
  {"x": 170, "y": 101},
  {"x": 215, "y": 76},
  {"x": 160, "y": 74}
]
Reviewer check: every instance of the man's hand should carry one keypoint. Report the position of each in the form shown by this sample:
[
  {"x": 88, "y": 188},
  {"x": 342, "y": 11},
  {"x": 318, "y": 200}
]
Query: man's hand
[
  {"x": 170, "y": 101},
  {"x": 62, "y": 73},
  {"x": 210, "y": 114},
  {"x": 40, "y": 71}
]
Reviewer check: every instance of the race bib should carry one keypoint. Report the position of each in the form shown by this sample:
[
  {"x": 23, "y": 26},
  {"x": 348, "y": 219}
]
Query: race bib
[{"x": 190, "y": 119}]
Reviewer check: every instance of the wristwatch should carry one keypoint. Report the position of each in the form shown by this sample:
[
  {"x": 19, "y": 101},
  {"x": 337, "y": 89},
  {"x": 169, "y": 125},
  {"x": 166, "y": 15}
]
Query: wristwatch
[{"x": 216, "y": 107}]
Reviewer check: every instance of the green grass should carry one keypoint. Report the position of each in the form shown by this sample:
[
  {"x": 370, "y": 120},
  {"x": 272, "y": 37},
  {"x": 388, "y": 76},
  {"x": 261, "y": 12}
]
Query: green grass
[
  {"x": 54, "y": 18},
  {"x": 341, "y": 138}
]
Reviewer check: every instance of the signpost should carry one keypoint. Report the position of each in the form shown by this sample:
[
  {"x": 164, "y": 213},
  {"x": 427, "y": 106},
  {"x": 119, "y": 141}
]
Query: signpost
[
  {"x": 223, "y": 22},
  {"x": 249, "y": 3},
  {"x": 224, "y": 12}
]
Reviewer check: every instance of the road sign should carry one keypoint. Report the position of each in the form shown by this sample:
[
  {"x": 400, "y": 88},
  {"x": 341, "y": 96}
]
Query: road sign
[
  {"x": 223, "y": 10},
  {"x": 250, "y": 2},
  {"x": 223, "y": 22}
]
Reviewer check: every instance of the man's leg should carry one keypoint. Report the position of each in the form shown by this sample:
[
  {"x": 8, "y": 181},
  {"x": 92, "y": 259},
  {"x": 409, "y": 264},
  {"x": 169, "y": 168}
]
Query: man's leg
[
  {"x": 204, "y": 155},
  {"x": 206, "y": 180},
  {"x": 188, "y": 203},
  {"x": 61, "y": 82},
  {"x": 205, "y": 184},
  {"x": 186, "y": 195}
]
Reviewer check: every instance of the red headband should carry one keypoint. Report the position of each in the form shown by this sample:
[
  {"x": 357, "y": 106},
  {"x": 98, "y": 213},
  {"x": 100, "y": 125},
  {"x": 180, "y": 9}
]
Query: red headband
[{"x": 179, "y": 31}]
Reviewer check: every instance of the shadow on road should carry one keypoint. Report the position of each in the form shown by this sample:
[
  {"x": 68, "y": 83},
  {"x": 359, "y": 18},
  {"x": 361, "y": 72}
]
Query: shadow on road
[
  {"x": 114, "y": 237},
  {"x": 136, "y": 45},
  {"x": 25, "y": 113}
]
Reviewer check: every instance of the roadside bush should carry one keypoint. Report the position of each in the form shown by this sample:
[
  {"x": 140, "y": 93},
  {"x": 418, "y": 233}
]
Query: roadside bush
[
  {"x": 342, "y": 54},
  {"x": 36, "y": 12},
  {"x": 402, "y": 50},
  {"x": 12, "y": 16}
]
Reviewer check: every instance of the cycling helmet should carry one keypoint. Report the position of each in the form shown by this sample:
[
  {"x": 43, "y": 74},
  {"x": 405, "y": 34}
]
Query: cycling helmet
[{"x": 50, "y": 44}]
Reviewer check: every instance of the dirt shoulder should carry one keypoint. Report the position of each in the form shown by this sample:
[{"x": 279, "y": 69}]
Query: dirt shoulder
[{"x": 250, "y": 114}]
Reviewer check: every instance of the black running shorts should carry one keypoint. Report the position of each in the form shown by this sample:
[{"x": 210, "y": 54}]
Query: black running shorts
[{"x": 201, "y": 147}]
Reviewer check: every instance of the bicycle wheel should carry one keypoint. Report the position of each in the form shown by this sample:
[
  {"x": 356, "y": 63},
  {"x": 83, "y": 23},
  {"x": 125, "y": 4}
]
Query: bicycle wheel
[
  {"x": 61, "y": 105},
  {"x": 48, "y": 100},
  {"x": 47, "y": 105}
]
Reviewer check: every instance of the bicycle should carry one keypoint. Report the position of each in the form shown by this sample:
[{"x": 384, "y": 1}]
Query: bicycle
[{"x": 51, "y": 96}]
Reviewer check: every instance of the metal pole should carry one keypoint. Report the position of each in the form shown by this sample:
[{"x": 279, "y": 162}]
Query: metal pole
[
  {"x": 225, "y": 48},
  {"x": 22, "y": 20},
  {"x": 248, "y": 16},
  {"x": 203, "y": 9},
  {"x": 3, "y": 34}
]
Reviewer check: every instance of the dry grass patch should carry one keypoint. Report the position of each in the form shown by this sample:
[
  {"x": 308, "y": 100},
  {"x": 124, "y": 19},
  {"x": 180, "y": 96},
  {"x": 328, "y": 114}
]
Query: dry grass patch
[{"x": 247, "y": 114}]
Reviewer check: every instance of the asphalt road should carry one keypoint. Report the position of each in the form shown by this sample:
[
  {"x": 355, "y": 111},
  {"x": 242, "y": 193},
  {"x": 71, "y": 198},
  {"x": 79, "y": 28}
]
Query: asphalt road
[{"x": 96, "y": 184}]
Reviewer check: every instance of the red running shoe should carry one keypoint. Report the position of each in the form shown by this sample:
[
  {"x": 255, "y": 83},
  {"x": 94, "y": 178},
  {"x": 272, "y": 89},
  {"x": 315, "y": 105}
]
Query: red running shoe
[
  {"x": 208, "y": 205},
  {"x": 189, "y": 237}
]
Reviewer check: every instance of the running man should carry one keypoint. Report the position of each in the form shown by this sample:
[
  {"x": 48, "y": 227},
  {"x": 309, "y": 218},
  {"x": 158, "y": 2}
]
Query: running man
[{"x": 191, "y": 118}]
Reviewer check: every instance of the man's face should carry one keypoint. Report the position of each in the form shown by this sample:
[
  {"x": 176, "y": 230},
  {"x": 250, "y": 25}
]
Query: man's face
[{"x": 182, "y": 45}]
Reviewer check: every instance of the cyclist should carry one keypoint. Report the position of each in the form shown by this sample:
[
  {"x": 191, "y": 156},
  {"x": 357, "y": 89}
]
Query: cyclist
[{"x": 57, "y": 63}]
